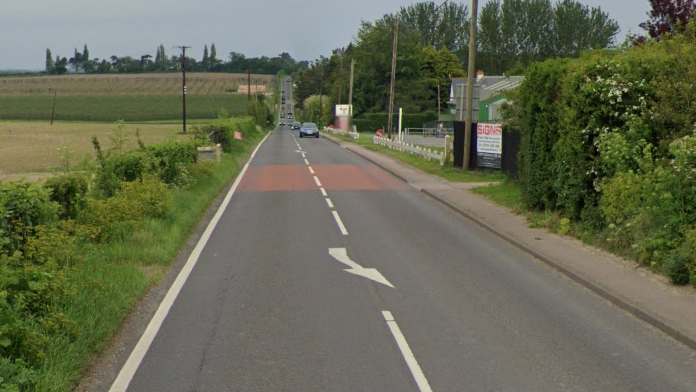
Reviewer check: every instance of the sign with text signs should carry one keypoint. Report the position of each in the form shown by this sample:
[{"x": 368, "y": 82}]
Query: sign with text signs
[
  {"x": 238, "y": 135},
  {"x": 342, "y": 110},
  {"x": 489, "y": 145}
]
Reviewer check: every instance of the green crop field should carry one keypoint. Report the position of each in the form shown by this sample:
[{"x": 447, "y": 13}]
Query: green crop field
[{"x": 133, "y": 98}]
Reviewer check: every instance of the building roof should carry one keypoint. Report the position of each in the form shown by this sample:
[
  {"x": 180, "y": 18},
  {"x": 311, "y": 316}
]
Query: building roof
[{"x": 490, "y": 85}]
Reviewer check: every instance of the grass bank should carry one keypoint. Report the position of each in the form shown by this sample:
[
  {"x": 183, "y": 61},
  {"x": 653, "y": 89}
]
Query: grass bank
[{"x": 112, "y": 277}]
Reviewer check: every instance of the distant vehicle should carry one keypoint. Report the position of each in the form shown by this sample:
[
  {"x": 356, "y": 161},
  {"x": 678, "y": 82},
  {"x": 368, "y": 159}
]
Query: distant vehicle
[
  {"x": 282, "y": 123},
  {"x": 282, "y": 115},
  {"x": 290, "y": 116},
  {"x": 309, "y": 129},
  {"x": 290, "y": 113},
  {"x": 295, "y": 125}
]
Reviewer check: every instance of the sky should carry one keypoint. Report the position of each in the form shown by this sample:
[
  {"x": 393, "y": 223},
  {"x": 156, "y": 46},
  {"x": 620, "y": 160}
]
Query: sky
[{"x": 304, "y": 28}]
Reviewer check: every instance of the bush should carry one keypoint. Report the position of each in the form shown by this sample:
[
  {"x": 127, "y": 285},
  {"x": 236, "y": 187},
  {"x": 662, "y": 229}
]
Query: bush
[
  {"x": 169, "y": 160},
  {"x": 119, "y": 215},
  {"x": 70, "y": 192},
  {"x": 22, "y": 207},
  {"x": 226, "y": 128}
]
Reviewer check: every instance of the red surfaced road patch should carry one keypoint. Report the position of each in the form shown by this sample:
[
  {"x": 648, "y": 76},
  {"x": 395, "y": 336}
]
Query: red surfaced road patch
[
  {"x": 332, "y": 177},
  {"x": 356, "y": 177}
]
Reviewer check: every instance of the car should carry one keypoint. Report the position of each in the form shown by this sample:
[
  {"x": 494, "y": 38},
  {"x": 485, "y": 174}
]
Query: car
[
  {"x": 282, "y": 123},
  {"x": 290, "y": 116},
  {"x": 295, "y": 125},
  {"x": 309, "y": 129}
]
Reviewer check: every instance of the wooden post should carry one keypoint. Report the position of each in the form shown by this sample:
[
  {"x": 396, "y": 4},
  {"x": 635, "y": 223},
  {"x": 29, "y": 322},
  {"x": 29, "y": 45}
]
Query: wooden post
[{"x": 53, "y": 109}]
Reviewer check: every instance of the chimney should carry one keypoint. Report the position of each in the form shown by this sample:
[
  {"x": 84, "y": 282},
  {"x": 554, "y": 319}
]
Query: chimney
[{"x": 479, "y": 75}]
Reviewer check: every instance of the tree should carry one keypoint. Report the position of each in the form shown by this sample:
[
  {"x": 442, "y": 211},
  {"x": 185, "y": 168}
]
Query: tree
[
  {"x": 445, "y": 26},
  {"x": 76, "y": 61},
  {"x": 204, "y": 61},
  {"x": 668, "y": 16},
  {"x": 61, "y": 65},
  {"x": 439, "y": 67},
  {"x": 86, "y": 63},
  {"x": 50, "y": 64}
]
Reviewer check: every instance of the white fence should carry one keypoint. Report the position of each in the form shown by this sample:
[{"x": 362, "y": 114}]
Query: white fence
[
  {"x": 354, "y": 134},
  {"x": 426, "y": 153},
  {"x": 429, "y": 137}
]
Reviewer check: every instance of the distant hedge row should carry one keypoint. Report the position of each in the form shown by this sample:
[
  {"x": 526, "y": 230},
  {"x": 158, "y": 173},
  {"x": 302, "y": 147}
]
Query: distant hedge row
[{"x": 608, "y": 140}]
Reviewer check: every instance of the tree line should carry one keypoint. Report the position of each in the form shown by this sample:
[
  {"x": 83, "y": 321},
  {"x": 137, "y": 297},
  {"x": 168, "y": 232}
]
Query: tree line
[
  {"x": 81, "y": 62},
  {"x": 433, "y": 48}
]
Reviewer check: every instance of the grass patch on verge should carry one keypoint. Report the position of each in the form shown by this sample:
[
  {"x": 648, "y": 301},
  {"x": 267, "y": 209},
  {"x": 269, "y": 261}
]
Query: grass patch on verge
[
  {"x": 113, "y": 277},
  {"x": 446, "y": 172},
  {"x": 505, "y": 193}
]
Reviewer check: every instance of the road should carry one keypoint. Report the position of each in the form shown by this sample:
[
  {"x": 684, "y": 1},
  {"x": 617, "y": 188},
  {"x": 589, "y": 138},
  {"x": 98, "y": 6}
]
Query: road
[{"x": 325, "y": 273}]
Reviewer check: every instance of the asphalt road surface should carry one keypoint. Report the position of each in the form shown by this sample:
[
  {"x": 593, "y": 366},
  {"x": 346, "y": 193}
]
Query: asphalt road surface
[{"x": 325, "y": 273}]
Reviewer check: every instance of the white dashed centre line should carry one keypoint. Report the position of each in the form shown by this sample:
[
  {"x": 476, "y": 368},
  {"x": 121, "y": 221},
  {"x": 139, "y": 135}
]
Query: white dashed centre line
[
  {"x": 340, "y": 223},
  {"x": 311, "y": 170},
  {"x": 317, "y": 180},
  {"x": 306, "y": 161},
  {"x": 328, "y": 201},
  {"x": 416, "y": 371},
  {"x": 323, "y": 191}
]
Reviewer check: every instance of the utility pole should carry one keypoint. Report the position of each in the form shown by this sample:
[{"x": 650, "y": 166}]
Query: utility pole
[
  {"x": 340, "y": 81},
  {"x": 249, "y": 81},
  {"x": 321, "y": 83},
  {"x": 183, "y": 70},
  {"x": 393, "y": 71},
  {"x": 470, "y": 86},
  {"x": 350, "y": 97},
  {"x": 53, "y": 109}
]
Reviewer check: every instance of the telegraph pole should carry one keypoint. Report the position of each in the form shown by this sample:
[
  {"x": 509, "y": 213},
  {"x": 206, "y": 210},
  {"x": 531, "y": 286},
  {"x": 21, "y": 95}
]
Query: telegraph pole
[
  {"x": 183, "y": 69},
  {"x": 340, "y": 81},
  {"x": 393, "y": 71},
  {"x": 321, "y": 82},
  {"x": 470, "y": 86},
  {"x": 350, "y": 97}
]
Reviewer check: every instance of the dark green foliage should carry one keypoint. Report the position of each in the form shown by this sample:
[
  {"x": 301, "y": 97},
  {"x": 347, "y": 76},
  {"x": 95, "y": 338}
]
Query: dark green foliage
[
  {"x": 70, "y": 191},
  {"x": 22, "y": 207},
  {"x": 678, "y": 268},
  {"x": 169, "y": 160},
  {"x": 225, "y": 127},
  {"x": 539, "y": 121}
]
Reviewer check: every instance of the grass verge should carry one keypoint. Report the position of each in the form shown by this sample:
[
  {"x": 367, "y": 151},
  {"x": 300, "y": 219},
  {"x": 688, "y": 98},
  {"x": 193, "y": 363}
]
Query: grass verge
[
  {"x": 113, "y": 277},
  {"x": 446, "y": 172}
]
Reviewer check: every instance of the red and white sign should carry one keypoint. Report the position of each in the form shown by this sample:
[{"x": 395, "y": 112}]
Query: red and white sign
[
  {"x": 489, "y": 145},
  {"x": 379, "y": 133},
  {"x": 489, "y": 138},
  {"x": 238, "y": 135}
]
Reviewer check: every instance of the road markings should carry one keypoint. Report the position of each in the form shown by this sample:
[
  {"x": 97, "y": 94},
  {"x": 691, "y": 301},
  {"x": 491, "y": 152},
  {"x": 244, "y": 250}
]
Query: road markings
[
  {"x": 136, "y": 357},
  {"x": 304, "y": 155},
  {"x": 328, "y": 201},
  {"x": 340, "y": 223},
  {"x": 341, "y": 255},
  {"x": 311, "y": 170},
  {"x": 416, "y": 371},
  {"x": 306, "y": 161},
  {"x": 323, "y": 191},
  {"x": 316, "y": 179}
]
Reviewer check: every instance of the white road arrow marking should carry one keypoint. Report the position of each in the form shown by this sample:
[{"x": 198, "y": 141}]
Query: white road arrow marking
[{"x": 341, "y": 255}]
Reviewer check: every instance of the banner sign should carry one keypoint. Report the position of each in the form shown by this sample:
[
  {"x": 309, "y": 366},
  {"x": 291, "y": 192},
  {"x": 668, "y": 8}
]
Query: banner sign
[
  {"x": 342, "y": 110},
  {"x": 489, "y": 145}
]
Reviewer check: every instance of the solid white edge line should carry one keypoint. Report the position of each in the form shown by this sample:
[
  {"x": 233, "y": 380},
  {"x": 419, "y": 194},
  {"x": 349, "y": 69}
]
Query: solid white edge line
[
  {"x": 416, "y": 371},
  {"x": 125, "y": 376},
  {"x": 323, "y": 191},
  {"x": 328, "y": 201},
  {"x": 340, "y": 223},
  {"x": 311, "y": 170},
  {"x": 316, "y": 179}
]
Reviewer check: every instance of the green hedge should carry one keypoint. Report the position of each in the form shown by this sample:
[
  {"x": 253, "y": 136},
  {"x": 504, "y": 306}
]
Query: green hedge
[
  {"x": 370, "y": 122},
  {"x": 608, "y": 141}
]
